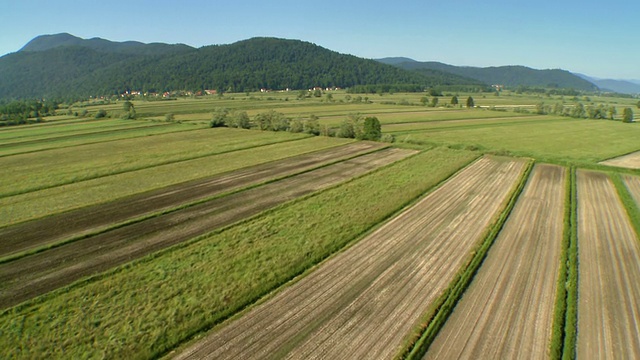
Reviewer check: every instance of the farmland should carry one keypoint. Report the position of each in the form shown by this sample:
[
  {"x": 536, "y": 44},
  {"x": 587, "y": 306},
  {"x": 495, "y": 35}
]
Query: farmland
[
  {"x": 609, "y": 253},
  {"x": 631, "y": 161},
  {"x": 362, "y": 302},
  {"x": 520, "y": 270},
  {"x": 162, "y": 236}
]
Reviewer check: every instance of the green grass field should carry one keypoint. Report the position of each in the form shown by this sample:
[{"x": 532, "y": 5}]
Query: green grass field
[
  {"x": 57, "y": 167},
  {"x": 563, "y": 140}
]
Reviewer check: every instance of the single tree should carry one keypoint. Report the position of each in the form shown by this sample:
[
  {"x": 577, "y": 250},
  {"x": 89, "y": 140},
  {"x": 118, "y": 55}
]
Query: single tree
[
  {"x": 219, "y": 118},
  {"x": 434, "y": 101},
  {"x": 612, "y": 112},
  {"x": 296, "y": 126},
  {"x": 627, "y": 115},
  {"x": 127, "y": 105},
  {"x": 372, "y": 129},
  {"x": 312, "y": 126},
  {"x": 454, "y": 100},
  {"x": 470, "y": 102}
]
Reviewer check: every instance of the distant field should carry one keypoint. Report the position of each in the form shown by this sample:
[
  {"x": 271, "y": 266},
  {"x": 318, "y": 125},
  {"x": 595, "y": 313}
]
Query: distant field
[
  {"x": 34, "y": 171},
  {"x": 558, "y": 139},
  {"x": 18, "y": 208}
]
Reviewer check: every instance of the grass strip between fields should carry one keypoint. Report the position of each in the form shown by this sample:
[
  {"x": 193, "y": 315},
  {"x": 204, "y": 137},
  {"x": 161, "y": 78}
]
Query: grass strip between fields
[
  {"x": 114, "y": 226},
  {"x": 560, "y": 312},
  {"x": 150, "y": 306},
  {"x": 571, "y": 319},
  {"x": 627, "y": 200},
  {"x": 435, "y": 318}
]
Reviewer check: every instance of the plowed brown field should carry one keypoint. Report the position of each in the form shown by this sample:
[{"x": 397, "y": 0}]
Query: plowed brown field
[
  {"x": 362, "y": 303},
  {"x": 42, "y": 272},
  {"x": 631, "y": 161},
  {"x": 52, "y": 229},
  {"x": 609, "y": 273},
  {"x": 507, "y": 312}
]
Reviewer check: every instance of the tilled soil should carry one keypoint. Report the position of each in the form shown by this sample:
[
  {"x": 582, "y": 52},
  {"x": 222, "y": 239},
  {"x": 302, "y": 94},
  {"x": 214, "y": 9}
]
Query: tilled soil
[
  {"x": 362, "y": 303},
  {"x": 76, "y": 223},
  {"x": 609, "y": 273},
  {"x": 37, "y": 274},
  {"x": 507, "y": 311}
]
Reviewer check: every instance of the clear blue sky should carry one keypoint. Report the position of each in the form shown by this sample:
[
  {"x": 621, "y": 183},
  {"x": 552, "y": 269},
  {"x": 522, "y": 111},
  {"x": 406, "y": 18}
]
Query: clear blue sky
[{"x": 598, "y": 38}]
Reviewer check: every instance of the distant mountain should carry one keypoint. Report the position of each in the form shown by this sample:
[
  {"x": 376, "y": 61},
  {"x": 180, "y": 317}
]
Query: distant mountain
[
  {"x": 63, "y": 65},
  {"x": 395, "y": 60},
  {"x": 620, "y": 86},
  {"x": 47, "y": 42},
  {"x": 511, "y": 76}
]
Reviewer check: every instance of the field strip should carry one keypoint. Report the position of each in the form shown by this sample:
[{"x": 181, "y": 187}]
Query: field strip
[
  {"x": 86, "y": 129},
  {"x": 631, "y": 161},
  {"x": 609, "y": 273},
  {"x": 362, "y": 302},
  {"x": 39, "y": 273},
  {"x": 92, "y": 138},
  {"x": 38, "y": 204},
  {"x": 34, "y": 171},
  {"x": 438, "y": 124},
  {"x": 80, "y": 222},
  {"x": 507, "y": 311}
]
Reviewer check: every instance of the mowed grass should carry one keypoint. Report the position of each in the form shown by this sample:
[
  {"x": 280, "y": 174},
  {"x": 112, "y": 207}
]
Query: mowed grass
[
  {"x": 19, "y": 133},
  {"x": 92, "y": 137},
  {"x": 18, "y": 208},
  {"x": 559, "y": 140},
  {"x": 46, "y": 169},
  {"x": 148, "y": 307}
]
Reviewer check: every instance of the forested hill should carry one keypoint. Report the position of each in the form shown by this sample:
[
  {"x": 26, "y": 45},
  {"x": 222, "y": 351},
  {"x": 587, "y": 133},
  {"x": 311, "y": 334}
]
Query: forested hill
[
  {"x": 511, "y": 76},
  {"x": 65, "y": 66}
]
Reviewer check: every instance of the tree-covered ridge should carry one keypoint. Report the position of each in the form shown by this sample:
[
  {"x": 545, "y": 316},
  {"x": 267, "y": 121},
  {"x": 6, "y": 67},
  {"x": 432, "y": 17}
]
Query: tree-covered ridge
[
  {"x": 47, "y": 42},
  {"x": 511, "y": 76},
  {"x": 75, "y": 69}
]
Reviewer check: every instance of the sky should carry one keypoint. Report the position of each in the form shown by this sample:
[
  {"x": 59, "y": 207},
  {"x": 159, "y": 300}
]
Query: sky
[{"x": 596, "y": 38}]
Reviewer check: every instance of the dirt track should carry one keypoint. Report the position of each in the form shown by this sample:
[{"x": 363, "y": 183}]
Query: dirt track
[
  {"x": 37, "y": 274},
  {"x": 362, "y": 303},
  {"x": 56, "y": 228},
  {"x": 507, "y": 312},
  {"x": 609, "y": 273},
  {"x": 631, "y": 161}
]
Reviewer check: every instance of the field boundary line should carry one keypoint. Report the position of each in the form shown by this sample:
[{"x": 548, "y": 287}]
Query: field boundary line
[
  {"x": 68, "y": 182},
  {"x": 571, "y": 316},
  {"x": 115, "y": 226},
  {"x": 560, "y": 311},
  {"x": 419, "y": 342},
  {"x": 617, "y": 156}
]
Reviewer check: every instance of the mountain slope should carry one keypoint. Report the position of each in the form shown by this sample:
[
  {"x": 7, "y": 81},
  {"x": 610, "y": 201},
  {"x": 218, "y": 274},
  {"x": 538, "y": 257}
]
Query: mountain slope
[
  {"x": 63, "y": 65},
  {"x": 619, "y": 86},
  {"x": 47, "y": 42},
  {"x": 512, "y": 76}
]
